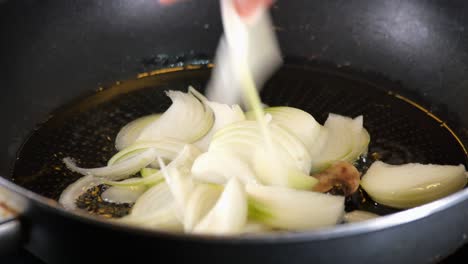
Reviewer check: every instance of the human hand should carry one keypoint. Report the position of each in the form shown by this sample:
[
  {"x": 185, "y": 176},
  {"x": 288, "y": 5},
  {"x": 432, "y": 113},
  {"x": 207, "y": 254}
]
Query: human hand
[{"x": 244, "y": 7}]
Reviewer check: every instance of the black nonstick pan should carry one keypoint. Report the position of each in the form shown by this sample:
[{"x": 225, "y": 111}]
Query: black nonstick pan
[{"x": 73, "y": 73}]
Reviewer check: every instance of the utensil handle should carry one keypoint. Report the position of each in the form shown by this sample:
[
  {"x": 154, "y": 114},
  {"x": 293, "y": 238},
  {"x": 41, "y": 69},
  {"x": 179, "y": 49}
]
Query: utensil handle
[{"x": 10, "y": 236}]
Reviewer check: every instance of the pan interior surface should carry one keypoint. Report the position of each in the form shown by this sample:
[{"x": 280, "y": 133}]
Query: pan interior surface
[{"x": 86, "y": 128}]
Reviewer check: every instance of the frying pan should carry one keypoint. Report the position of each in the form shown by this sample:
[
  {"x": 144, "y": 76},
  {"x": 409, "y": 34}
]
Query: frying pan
[{"x": 401, "y": 63}]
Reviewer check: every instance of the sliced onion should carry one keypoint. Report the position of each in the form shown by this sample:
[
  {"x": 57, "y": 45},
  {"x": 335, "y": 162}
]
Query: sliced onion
[
  {"x": 223, "y": 86},
  {"x": 164, "y": 220},
  {"x": 223, "y": 116},
  {"x": 290, "y": 209},
  {"x": 146, "y": 172},
  {"x": 167, "y": 149},
  {"x": 273, "y": 169},
  {"x": 75, "y": 190},
  {"x": 319, "y": 145},
  {"x": 187, "y": 120},
  {"x": 181, "y": 185},
  {"x": 201, "y": 201},
  {"x": 286, "y": 163},
  {"x": 358, "y": 216},
  {"x": 138, "y": 181},
  {"x": 242, "y": 138},
  {"x": 247, "y": 43},
  {"x": 361, "y": 139},
  {"x": 156, "y": 208},
  {"x": 117, "y": 171},
  {"x": 339, "y": 142},
  {"x": 229, "y": 214},
  {"x": 345, "y": 140},
  {"x": 295, "y": 149},
  {"x": 298, "y": 122},
  {"x": 253, "y": 227},
  {"x": 118, "y": 194},
  {"x": 130, "y": 132},
  {"x": 219, "y": 166},
  {"x": 413, "y": 184},
  {"x": 247, "y": 55},
  {"x": 158, "y": 197},
  {"x": 186, "y": 157},
  {"x": 184, "y": 160}
]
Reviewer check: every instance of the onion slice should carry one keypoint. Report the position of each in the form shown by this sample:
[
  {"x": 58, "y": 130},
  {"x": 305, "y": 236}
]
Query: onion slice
[
  {"x": 117, "y": 171},
  {"x": 298, "y": 122},
  {"x": 181, "y": 185},
  {"x": 167, "y": 149},
  {"x": 345, "y": 140},
  {"x": 359, "y": 216},
  {"x": 253, "y": 227},
  {"x": 187, "y": 119},
  {"x": 119, "y": 194},
  {"x": 242, "y": 138},
  {"x": 247, "y": 43},
  {"x": 130, "y": 132},
  {"x": 155, "y": 209},
  {"x": 290, "y": 209},
  {"x": 223, "y": 116},
  {"x": 184, "y": 160},
  {"x": 218, "y": 167},
  {"x": 201, "y": 201},
  {"x": 273, "y": 169},
  {"x": 71, "y": 194},
  {"x": 229, "y": 214},
  {"x": 286, "y": 163},
  {"x": 413, "y": 184},
  {"x": 147, "y": 172}
]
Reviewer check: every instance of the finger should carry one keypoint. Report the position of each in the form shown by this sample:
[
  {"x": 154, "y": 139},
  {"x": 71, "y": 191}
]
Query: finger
[
  {"x": 246, "y": 8},
  {"x": 167, "y": 2}
]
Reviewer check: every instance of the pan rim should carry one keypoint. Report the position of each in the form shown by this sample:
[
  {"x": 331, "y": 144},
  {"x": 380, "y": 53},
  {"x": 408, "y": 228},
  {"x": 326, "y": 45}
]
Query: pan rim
[{"x": 329, "y": 233}]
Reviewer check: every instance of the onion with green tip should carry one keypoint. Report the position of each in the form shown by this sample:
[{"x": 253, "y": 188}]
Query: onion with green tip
[
  {"x": 290, "y": 209},
  {"x": 146, "y": 172}
]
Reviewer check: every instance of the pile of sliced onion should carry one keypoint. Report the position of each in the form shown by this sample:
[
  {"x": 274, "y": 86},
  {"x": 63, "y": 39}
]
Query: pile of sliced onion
[
  {"x": 219, "y": 184},
  {"x": 252, "y": 175}
]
